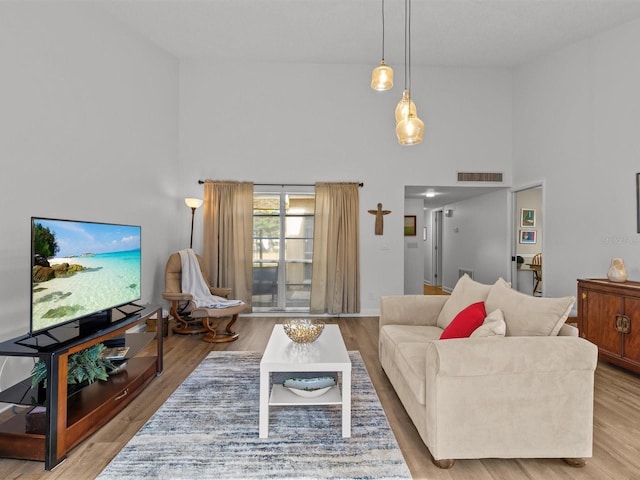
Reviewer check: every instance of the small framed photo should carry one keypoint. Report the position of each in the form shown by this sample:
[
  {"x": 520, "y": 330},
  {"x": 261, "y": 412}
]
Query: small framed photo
[
  {"x": 527, "y": 236},
  {"x": 409, "y": 225},
  {"x": 527, "y": 218}
]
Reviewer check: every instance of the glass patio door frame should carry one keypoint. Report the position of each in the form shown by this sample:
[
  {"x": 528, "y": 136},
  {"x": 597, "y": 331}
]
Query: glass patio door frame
[{"x": 284, "y": 191}]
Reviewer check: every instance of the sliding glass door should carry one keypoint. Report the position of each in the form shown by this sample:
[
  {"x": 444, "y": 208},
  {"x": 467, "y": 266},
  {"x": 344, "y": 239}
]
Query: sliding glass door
[{"x": 282, "y": 248}]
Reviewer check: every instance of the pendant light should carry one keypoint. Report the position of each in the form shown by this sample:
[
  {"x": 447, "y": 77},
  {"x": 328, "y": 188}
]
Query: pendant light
[
  {"x": 404, "y": 107},
  {"x": 382, "y": 75},
  {"x": 409, "y": 128}
]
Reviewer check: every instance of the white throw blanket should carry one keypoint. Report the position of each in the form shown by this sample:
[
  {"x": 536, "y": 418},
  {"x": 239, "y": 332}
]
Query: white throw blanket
[{"x": 193, "y": 282}]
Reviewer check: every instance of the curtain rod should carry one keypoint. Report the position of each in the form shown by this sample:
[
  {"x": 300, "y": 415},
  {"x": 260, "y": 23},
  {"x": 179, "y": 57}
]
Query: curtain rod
[{"x": 361, "y": 184}]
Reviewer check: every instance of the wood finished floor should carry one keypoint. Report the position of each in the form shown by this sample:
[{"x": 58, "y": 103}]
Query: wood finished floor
[
  {"x": 434, "y": 290},
  {"x": 616, "y": 417}
]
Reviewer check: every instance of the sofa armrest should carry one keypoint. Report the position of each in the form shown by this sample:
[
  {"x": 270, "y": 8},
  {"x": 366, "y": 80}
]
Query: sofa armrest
[
  {"x": 411, "y": 309},
  {"x": 470, "y": 357},
  {"x": 568, "y": 331},
  {"x": 510, "y": 397}
]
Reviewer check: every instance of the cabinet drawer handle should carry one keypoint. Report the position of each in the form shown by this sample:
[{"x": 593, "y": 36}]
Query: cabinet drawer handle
[
  {"x": 626, "y": 324},
  {"x": 623, "y": 324},
  {"x": 618, "y": 326},
  {"x": 124, "y": 394}
]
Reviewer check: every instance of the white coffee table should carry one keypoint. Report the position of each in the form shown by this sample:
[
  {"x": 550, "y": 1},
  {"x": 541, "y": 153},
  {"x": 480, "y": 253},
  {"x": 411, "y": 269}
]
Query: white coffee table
[{"x": 326, "y": 354}]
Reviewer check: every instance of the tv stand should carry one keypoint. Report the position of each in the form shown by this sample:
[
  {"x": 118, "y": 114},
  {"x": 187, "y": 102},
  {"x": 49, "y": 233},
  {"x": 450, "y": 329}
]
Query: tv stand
[
  {"x": 68, "y": 420},
  {"x": 34, "y": 340},
  {"x": 129, "y": 308}
]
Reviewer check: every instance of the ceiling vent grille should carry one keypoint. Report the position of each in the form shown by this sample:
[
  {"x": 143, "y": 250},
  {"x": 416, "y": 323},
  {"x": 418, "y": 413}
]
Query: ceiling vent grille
[{"x": 479, "y": 177}]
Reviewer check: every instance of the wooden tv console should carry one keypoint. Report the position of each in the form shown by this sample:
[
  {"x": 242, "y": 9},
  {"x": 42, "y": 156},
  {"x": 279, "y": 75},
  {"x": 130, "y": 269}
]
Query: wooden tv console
[{"x": 68, "y": 420}]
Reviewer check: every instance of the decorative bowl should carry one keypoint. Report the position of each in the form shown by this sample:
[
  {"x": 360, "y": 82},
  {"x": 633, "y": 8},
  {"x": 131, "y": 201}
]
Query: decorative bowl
[
  {"x": 310, "y": 393},
  {"x": 303, "y": 330},
  {"x": 309, "y": 387}
]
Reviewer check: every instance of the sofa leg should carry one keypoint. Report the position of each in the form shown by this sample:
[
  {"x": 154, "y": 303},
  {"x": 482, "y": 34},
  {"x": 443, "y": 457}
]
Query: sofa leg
[
  {"x": 575, "y": 462},
  {"x": 444, "y": 463}
]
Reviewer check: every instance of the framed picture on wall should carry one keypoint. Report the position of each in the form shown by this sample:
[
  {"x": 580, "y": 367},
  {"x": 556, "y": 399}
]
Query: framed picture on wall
[
  {"x": 527, "y": 218},
  {"x": 527, "y": 236},
  {"x": 409, "y": 225}
]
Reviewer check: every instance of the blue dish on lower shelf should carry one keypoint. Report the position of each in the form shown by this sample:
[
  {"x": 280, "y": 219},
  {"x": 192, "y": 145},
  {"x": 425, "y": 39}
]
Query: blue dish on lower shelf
[
  {"x": 310, "y": 384},
  {"x": 309, "y": 393}
]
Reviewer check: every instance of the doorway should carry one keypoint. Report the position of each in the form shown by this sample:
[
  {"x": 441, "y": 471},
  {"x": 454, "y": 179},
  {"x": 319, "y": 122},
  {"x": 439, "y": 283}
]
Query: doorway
[
  {"x": 437, "y": 264},
  {"x": 283, "y": 222},
  {"x": 528, "y": 238},
  {"x": 436, "y": 217}
]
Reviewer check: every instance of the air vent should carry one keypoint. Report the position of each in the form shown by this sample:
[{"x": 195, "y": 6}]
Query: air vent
[{"x": 479, "y": 177}]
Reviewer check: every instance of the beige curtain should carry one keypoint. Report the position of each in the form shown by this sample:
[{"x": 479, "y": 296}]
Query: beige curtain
[
  {"x": 228, "y": 230},
  {"x": 335, "y": 281}
]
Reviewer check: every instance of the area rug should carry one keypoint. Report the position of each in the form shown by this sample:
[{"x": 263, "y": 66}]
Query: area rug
[{"x": 208, "y": 428}]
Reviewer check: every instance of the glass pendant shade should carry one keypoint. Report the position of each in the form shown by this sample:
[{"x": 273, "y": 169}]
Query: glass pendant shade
[
  {"x": 382, "y": 77},
  {"x": 405, "y": 107},
  {"x": 410, "y": 130}
]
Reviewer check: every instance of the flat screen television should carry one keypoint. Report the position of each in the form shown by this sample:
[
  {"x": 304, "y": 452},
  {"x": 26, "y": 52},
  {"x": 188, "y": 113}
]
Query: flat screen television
[{"x": 81, "y": 270}]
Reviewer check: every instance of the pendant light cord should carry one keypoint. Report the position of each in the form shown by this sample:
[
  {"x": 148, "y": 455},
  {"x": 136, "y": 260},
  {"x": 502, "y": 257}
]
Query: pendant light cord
[
  {"x": 405, "y": 43},
  {"x": 409, "y": 41},
  {"x": 383, "y": 30},
  {"x": 408, "y": 17}
]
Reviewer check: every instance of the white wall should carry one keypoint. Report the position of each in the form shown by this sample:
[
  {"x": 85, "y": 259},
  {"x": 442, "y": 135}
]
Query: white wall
[
  {"x": 576, "y": 128},
  {"x": 89, "y": 132},
  {"x": 414, "y": 252},
  {"x": 427, "y": 246},
  {"x": 306, "y": 123},
  {"x": 477, "y": 237}
]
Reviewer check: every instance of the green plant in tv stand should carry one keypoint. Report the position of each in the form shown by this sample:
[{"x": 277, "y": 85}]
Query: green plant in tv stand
[{"x": 86, "y": 365}]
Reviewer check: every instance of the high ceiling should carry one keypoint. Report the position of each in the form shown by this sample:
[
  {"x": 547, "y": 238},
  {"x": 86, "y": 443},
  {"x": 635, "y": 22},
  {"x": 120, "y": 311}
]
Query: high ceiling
[
  {"x": 469, "y": 33},
  {"x": 443, "y": 32}
]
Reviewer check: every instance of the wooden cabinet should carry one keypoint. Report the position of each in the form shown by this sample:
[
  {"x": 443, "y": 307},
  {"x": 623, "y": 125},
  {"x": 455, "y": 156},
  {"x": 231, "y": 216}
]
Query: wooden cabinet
[
  {"x": 609, "y": 316},
  {"x": 68, "y": 420}
]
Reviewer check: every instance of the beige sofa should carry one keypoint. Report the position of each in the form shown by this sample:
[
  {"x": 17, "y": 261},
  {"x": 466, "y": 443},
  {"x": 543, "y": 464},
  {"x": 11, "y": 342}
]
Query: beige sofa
[{"x": 528, "y": 394}]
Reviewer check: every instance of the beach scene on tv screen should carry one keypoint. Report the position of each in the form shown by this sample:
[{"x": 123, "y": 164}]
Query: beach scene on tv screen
[{"x": 80, "y": 268}]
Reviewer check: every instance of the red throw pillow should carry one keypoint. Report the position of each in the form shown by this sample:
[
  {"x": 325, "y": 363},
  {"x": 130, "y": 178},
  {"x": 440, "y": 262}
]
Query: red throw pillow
[{"x": 465, "y": 322}]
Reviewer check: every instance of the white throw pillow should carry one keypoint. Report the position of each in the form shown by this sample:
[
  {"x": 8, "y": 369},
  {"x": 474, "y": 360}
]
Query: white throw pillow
[
  {"x": 465, "y": 293},
  {"x": 529, "y": 316},
  {"x": 493, "y": 326}
]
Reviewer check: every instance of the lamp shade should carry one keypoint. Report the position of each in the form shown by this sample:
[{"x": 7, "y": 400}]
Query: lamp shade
[
  {"x": 382, "y": 77},
  {"x": 193, "y": 202},
  {"x": 410, "y": 130},
  {"x": 405, "y": 107}
]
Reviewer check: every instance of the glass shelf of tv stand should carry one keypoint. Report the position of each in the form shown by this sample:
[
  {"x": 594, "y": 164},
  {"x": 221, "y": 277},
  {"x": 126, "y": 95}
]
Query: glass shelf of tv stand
[{"x": 22, "y": 393}]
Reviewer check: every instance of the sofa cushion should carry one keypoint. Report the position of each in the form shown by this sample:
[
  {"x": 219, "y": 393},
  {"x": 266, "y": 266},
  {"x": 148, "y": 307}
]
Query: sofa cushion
[
  {"x": 411, "y": 360},
  {"x": 529, "y": 316},
  {"x": 465, "y": 293},
  {"x": 492, "y": 326},
  {"x": 465, "y": 322},
  {"x": 396, "y": 334}
]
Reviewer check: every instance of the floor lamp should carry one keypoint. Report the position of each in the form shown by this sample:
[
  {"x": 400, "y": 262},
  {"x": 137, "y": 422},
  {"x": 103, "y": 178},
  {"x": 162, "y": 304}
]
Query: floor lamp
[{"x": 193, "y": 204}]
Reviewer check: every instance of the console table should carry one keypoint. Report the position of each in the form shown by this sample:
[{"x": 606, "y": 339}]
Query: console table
[
  {"x": 609, "y": 316},
  {"x": 71, "y": 419}
]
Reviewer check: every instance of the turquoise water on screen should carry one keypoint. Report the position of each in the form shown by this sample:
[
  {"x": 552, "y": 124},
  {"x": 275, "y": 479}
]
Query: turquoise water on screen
[{"x": 109, "y": 279}]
